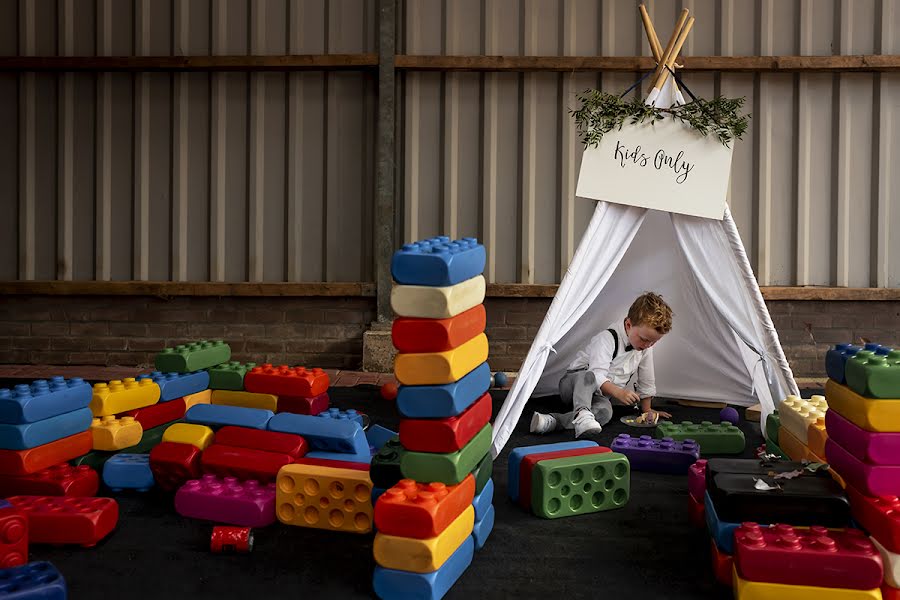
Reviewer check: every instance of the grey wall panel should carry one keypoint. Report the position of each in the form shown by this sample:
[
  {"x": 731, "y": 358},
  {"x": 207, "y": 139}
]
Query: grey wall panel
[{"x": 9, "y": 174}]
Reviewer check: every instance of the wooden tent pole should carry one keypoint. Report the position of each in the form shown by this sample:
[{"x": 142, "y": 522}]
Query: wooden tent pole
[
  {"x": 670, "y": 60},
  {"x": 652, "y": 38},
  {"x": 664, "y": 59}
]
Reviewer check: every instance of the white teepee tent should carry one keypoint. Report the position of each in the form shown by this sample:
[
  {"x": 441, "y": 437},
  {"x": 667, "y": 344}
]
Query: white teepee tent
[{"x": 722, "y": 347}]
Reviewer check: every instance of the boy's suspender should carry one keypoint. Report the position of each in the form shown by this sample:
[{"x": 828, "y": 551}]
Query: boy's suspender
[{"x": 615, "y": 343}]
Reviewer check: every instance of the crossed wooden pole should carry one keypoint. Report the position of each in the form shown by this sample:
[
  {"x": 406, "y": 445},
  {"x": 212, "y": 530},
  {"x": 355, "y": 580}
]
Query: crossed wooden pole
[{"x": 665, "y": 59}]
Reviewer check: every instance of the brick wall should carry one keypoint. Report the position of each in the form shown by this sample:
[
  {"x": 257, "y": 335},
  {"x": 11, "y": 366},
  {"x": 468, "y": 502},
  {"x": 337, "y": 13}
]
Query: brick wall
[{"x": 327, "y": 332}]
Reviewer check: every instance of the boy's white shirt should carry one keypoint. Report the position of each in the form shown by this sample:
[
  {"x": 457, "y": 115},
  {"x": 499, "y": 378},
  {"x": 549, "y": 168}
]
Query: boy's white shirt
[{"x": 597, "y": 354}]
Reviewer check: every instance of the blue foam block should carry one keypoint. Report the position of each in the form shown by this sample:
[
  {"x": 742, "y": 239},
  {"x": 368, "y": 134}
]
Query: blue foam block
[
  {"x": 483, "y": 528},
  {"x": 177, "y": 385},
  {"x": 342, "y": 415},
  {"x": 442, "y": 401},
  {"x": 330, "y": 435},
  {"x": 517, "y": 454},
  {"x": 357, "y": 458},
  {"x": 438, "y": 261},
  {"x": 378, "y": 436},
  {"x": 484, "y": 500},
  {"x": 128, "y": 472},
  {"x": 218, "y": 415},
  {"x": 43, "y": 399},
  {"x": 32, "y": 435},
  {"x": 34, "y": 581},
  {"x": 836, "y": 360},
  {"x": 391, "y": 583},
  {"x": 720, "y": 531}
]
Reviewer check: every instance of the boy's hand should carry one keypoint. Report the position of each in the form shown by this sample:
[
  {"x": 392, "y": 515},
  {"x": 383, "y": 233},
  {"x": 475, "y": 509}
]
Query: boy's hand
[
  {"x": 663, "y": 413},
  {"x": 627, "y": 397}
]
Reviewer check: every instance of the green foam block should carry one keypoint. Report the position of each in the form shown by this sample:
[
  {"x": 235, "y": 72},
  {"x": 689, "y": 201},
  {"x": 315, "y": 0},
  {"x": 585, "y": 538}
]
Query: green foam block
[
  {"x": 482, "y": 473},
  {"x": 714, "y": 438},
  {"x": 449, "y": 468},
  {"x": 229, "y": 376},
  {"x": 578, "y": 485},
  {"x": 773, "y": 422},
  {"x": 150, "y": 439},
  {"x": 874, "y": 376},
  {"x": 195, "y": 356}
]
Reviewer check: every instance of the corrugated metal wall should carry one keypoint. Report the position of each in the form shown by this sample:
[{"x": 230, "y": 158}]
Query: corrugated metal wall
[{"x": 269, "y": 177}]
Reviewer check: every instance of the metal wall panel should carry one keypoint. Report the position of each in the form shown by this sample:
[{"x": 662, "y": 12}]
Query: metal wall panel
[{"x": 187, "y": 176}]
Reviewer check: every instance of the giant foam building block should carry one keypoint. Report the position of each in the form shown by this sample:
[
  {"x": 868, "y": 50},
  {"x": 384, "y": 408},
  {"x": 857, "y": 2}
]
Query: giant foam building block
[
  {"x": 721, "y": 532},
  {"x": 697, "y": 480},
  {"x": 482, "y": 473},
  {"x": 483, "y": 500},
  {"x": 412, "y": 335},
  {"x": 364, "y": 458},
  {"x": 872, "y": 480},
  {"x": 867, "y": 446},
  {"x": 722, "y": 565},
  {"x": 58, "y": 480},
  {"x": 871, "y": 414},
  {"x": 178, "y": 385},
  {"x": 228, "y": 376},
  {"x": 32, "y": 460},
  {"x": 341, "y": 415},
  {"x": 517, "y": 454},
  {"x": 378, "y": 436},
  {"x": 526, "y": 468},
  {"x": 119, "y": 396},
  {"x": 816, "y": 436},
  {"x": 797, "y": 414},
  {"x": 286, "y": 381},
  {"x": 748, "y": 466},
  {"x": 422, "y": 510},
  {"x": 173, "y": 464},
  {"x": 203, "y": 397},
  {"x": 836, "y": 359},
  {"x": 13, "y": 538},
  {"x": 220, "y": 416},
  {"x": 714, "y": 438},
  {"x": 199, "y": 436},
  {"x": 229, "y": 501},
  {"x": 158, "y": 414},
  {"x": 773, "y": 422},
  {"x": 113, "y": 434},
  {"x": 696, "y": 512},
  {"x": 430, "y": 368},
  {"x": 876, "y": 376},
  {"x": 64, "y": 520},
  {"x": 438, "y": 261},
  {"x": 879, "y": 516},
  {"x": 385, "y": 465},
  {"x": 97, "y": 458},
  {"x": 447, "y": 400},
  {"x": 423, "y": 555},
  {"x": 427, "y": 302},
  {"x": 195, "y": 356},
  {"x": 657, "y": 456},
  {"x": 323, "y": 434},
  {"x": 43, "y": 399},
  {"x": 565, "y": 487},
  {"x": 128, "y": 472},
  {"x": 245, "y": 399},
  {"x": 794, "y": 448},
  {"x": 32, "y": 435},
  {"x": 324, "y": 498},
  {"x": 34, "y": 581},
  {"x": 890, "y": 562},
  {"x": 393, "y": 583},
  {"x": 243, "y": 463},
  {"x": 270, "y": 441},
  {"x": 451, "y": 467},
  {"x": 814, "y": 556},
  {"x": 759, "y": 590},
  {"x": 303, "y": 406},
  {"x": 483, "y": 527},
  {"x": 445, "y": 435},
  {"x": 336, "y": 464}
]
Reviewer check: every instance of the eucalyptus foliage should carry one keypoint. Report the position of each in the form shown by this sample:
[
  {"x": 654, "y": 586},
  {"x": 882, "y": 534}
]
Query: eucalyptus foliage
[{"x": 601, "y": 113}]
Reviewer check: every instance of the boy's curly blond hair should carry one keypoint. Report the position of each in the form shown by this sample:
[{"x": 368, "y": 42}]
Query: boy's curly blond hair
[{"x": 649, "y": 309}]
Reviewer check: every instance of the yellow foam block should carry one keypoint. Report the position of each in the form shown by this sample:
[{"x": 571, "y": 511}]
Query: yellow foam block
[
  {"x": 203, "y": 397},
  {"x": 111, "y": 433},
  {"x": 879, "y": 415},
  {"x": 891, "y": 562},
  {"x": 797, "y": 414},
  {"x": 121, "y": 396},
  {"x": 199, "y": 436},
  {"x": 244, "y": 399},
  {"x": 758, "y": 590},
  {"x": 324, "y": 498},
  {"x": 794, "y": 448},
  {"x": 816, "y": 436},
  {"x": 428, "y": 302},
  {"x": 423, "y": 556},
  {"x": 434, "y": 368}
]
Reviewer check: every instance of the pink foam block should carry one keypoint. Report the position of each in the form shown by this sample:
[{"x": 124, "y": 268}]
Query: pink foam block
[
  {"x": 873, "y": 480},
  {"x": 867, "y": 446},
  {"x": 697, "y": 480},
  {"x": 227, "y": 500}
]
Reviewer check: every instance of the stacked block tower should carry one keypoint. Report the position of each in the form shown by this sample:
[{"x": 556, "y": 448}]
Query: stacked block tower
[
  {"x": 440, "y": 511},
  {"x": 863, "y": 443}
]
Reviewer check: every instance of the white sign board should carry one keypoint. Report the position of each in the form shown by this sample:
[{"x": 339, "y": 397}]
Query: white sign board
[{"x": 664, "y": 166}]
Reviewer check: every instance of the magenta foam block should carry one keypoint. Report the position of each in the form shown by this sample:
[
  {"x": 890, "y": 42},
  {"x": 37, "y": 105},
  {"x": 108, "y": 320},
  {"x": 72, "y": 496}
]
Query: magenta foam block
[
  {"x": 867, "y": 446},
  {"x": 872, "y": 480},
  {"x": 227, "y": 500},
  {"x": 697, "y": 480}
]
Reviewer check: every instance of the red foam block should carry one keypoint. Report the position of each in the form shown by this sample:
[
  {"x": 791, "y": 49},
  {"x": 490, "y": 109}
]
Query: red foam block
[
  {"x": 270, "y": 441},
  {"x": 23, "y": 462},
  {"x": 696, "y": 513},
  {"x": 449, "y": 434},
  {"x": 243, "y": 463},
  {"x": 63, "y": 520},
  {"x": 526, "y": 467},
  {"x": 172, "y": 464},
  {"x": 286, "y": 381},
  {"x": 303, "y": 406},
  {"x": 157, "y": 414},
  {"x": 59, "y": 480},
  {"x": 437, "y": 335},
  {"x": 722, "y": 565},
  {"x": 13, "y": 537}
]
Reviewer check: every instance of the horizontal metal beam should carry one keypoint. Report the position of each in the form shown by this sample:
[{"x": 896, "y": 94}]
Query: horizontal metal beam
[{"x": 298, "y": 62}]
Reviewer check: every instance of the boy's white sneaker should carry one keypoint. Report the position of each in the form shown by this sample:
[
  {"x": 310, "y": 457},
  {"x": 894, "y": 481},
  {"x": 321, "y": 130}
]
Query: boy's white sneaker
[
  {"x": 542, "y": 423},
  {"x": 585, "y": 424}
]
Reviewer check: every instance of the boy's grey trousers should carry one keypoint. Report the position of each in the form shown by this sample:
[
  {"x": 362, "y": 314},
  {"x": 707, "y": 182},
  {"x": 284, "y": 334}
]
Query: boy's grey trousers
[{"x": 582, "y": 390}]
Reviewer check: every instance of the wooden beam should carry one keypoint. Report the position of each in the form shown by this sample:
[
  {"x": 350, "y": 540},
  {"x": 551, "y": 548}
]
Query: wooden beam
[{"x": 295, "y": 62}]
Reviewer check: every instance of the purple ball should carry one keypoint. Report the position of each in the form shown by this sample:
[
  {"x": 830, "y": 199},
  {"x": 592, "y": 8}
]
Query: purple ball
[{"x": 729, "y": 414}]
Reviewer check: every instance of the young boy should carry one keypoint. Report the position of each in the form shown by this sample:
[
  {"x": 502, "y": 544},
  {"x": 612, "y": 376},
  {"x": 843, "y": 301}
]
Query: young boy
[{"x": 602, "y": 370}]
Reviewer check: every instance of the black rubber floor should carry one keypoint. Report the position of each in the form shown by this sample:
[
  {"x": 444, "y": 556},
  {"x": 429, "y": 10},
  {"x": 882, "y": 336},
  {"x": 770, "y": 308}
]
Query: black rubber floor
[{"x": 644, "y": 550}]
